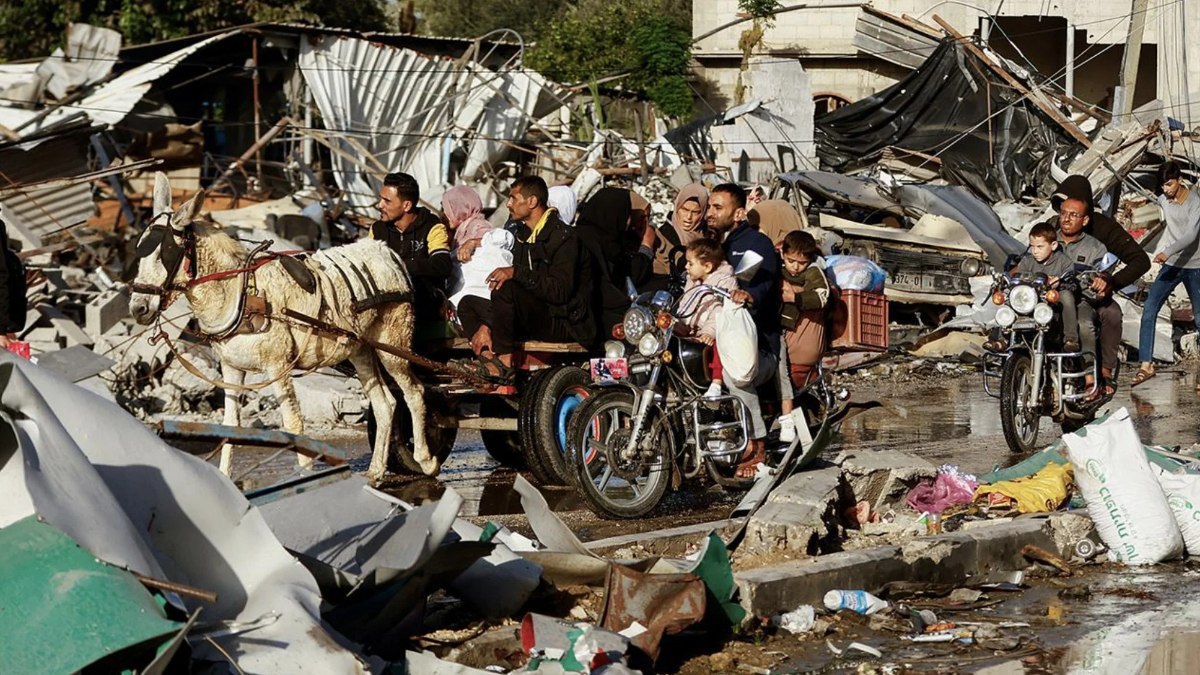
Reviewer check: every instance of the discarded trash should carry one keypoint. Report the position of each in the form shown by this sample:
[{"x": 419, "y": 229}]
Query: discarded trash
[
  {"x": 1088, "y": 549},
  {"x": 858, "y": 646},
  {"x": 964, "y": 596},
  {"x": 950, "y": 487},
  {"x": 1183, "y": 496},
  {"x": 577, "y": 647},
  {"x": 858, "y": 601},
  {"x": 1124, "y": 499},
  {"x": 1042, "y": 555},
  {"x": 1046, "y": 490},
  {"x": 800, "y": 620}
]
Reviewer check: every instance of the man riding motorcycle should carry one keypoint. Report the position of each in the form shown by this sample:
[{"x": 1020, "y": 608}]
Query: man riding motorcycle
[{"x": 1075, "y": 204}]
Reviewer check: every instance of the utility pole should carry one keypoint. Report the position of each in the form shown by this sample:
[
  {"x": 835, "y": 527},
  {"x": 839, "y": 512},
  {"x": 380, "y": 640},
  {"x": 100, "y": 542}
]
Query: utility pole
[{"x": 1123, "y": 95}]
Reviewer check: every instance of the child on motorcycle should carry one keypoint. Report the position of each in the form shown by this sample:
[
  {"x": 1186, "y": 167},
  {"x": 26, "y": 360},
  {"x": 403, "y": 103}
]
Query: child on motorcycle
[
  {"x": 1045, "y": 257},
  {"x": 806, "y": 295},
  {"x": 705, "y": 265}
]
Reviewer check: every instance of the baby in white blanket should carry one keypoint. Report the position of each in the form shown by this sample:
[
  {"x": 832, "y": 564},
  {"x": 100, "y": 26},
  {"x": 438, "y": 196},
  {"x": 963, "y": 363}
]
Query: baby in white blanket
[{"x": 470, "y": 278}]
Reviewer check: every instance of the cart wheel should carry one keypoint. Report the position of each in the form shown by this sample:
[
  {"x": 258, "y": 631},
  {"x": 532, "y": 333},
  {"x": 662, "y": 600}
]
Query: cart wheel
[
  {"x": 561, "y": 392},
  {"x": 527, "y": 423},
  {"x": 439, "y": 438},
  {"x": 503, "y": 446}
]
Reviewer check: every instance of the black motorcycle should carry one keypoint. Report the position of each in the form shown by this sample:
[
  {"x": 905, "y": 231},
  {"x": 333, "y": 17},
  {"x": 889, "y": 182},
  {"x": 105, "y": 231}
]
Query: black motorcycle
[{"x": 648, "y": 426}]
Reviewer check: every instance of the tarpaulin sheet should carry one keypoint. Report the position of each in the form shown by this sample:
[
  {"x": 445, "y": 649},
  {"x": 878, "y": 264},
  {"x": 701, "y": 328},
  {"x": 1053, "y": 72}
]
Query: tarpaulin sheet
[
  {"x": 100, "y": 476},
  {"x": 987, "y": 136}
]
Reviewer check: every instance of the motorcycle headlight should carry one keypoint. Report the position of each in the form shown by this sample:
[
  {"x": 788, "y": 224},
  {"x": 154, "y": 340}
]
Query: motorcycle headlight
[
  {"x": 1022, "y": 298},
  {"x": 637, "y": 322},
  {"x": 1005, "y": 316},
  {"x": 649, "y": 345},
  {"x": 1043, "y": 314},
  {"x": 614, "y": 349},
  {"x": 970, "y": 267}
]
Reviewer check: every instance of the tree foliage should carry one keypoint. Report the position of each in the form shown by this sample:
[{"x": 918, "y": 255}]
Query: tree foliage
[
  {"x": 472, "y": 18},
  {"x": 760, "y": 9},
  {"x": 34, "y": 28},
  {"x": 648, "y": 40}
]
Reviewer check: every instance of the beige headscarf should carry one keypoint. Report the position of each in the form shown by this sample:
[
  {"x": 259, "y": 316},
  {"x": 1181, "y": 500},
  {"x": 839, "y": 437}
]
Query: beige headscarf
[
  {"x": 698, "y": 192},
  {"x": 775, "y": 218}
]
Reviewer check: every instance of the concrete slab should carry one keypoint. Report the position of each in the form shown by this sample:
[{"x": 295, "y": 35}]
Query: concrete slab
[
  {"x": 695, "y": 532},
  {"x": 883, "y": 477},
  {"x": 68, "y": 329},
  {"x": 104, "y": 312},
  {"x": 329, "y": 399},
  {"x": 948, "y": 558},
  {"x": 800, "y": 515},
  {"x": 782, "y": 588}
]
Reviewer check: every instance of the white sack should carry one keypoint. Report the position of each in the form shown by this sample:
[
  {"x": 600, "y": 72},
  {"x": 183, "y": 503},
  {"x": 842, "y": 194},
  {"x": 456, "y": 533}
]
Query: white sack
[
  {"x": 1183, "y": 496},
  {"x": 1123, "y": 497},
  {"x": 737, "y": 343}
]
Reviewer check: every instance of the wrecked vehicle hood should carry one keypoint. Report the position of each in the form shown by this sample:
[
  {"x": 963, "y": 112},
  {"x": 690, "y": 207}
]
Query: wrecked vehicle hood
[{"x": 958, "y": 204}]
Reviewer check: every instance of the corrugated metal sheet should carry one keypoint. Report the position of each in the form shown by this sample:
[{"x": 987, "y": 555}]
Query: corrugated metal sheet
[
  {"x": 41, "y": 212},
  {"x": 893, "y": 38},
  {"x": 410, "y": 111},
  {"x": 110, "y": 103}
]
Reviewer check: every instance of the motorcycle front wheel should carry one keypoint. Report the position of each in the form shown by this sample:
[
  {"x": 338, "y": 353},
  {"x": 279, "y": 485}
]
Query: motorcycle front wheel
[
  {"x": 613, "y": 485},
  {"x": 1019, "y": 414}
]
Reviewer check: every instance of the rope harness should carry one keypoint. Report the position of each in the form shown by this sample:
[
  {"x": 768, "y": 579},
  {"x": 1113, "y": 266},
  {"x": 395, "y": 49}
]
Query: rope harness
[{"x": 160, "y": 236}]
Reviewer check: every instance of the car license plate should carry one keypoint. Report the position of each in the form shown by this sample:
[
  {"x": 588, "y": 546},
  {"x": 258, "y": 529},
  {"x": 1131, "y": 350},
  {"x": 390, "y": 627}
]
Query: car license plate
[
  {"x": 609, "y": 370},
  {"x": 911, "y": 280}
]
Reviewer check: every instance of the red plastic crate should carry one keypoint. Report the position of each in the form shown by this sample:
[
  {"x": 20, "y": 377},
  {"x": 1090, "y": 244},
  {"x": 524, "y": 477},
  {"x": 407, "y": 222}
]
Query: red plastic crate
[{"x": 860, "y": 321}]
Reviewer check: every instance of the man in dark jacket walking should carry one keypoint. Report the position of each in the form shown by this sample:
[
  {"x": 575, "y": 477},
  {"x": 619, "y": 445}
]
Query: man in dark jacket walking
[
  {"x": 418, "y": 236},
  {"x": 1074, "y": 199},
  {"x": 545, "y": 295}
]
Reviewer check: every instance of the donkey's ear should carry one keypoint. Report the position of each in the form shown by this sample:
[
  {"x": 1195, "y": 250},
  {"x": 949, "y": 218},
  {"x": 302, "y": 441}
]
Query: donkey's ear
[
  {"x": 188, "y": 212},
  {"x": 162, "y": 193}
]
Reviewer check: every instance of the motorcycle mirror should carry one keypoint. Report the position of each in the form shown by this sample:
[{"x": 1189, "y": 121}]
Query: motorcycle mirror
[{"x": 748, "y": 266}]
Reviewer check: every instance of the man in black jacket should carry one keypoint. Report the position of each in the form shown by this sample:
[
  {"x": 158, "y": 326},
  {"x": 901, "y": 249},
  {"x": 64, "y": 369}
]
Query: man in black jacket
[
  {"x": 1074, "y": 196},
  {"x": 12, "y": 291},
  {"x": 419, "y": 237},
  {"x": 545, "y": 295}
]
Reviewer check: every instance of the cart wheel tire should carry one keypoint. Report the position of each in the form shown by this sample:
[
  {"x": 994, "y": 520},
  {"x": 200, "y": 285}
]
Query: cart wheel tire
[
  {"x": 531, "y": 393},
  {"x": 562, "y": 390},
  {"x": 440, "y": 439},
  {"x": 503, "y": 446}
]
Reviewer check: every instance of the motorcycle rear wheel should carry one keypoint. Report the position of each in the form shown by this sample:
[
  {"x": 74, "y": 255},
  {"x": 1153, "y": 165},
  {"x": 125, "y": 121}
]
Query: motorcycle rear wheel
[
  {"x": 1018, "y": 416},
  {"x": 612, "y": 487}
]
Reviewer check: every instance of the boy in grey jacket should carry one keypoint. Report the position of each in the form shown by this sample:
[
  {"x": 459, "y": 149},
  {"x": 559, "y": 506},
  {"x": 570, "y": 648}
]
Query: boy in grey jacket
[{"x": 1045, "y": 256}]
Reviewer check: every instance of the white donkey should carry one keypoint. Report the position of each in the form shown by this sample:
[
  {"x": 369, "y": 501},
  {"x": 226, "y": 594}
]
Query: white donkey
[{"x": 180, "y": 253}]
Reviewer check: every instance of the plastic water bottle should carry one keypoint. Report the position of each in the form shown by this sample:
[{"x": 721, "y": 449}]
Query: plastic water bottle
[{"x": 858, "y": 601}]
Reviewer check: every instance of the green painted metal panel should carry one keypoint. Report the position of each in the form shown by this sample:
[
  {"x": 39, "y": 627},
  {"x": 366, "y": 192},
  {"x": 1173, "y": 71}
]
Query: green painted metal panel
[{"x": 62, "y": 609}]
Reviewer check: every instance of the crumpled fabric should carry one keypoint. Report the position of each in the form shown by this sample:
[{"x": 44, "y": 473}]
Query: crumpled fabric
[
  {"x": 1047, "y": 490},
  {"x": 950, "y": 488}
]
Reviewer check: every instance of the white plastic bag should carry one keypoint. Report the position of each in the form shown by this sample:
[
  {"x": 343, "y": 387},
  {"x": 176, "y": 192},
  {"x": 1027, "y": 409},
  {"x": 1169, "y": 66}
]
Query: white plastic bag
[
  {"x": 737, "y": 344},
  {"x": 1123, "y": 497},
  {"x": 1183, "y": 496}
]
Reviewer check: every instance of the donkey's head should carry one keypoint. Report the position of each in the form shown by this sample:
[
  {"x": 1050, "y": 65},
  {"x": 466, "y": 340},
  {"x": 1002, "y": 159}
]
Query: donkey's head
[{"x": 165, "y": 253}]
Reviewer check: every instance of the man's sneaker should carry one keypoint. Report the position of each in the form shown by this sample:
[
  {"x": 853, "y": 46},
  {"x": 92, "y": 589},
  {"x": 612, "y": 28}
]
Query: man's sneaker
[
  {"x": 787, "y": 429},
  {"x": 714, "y": 390}
]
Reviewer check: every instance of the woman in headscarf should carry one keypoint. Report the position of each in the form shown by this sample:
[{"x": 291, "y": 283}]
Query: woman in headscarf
[
  {"x": 660, "y": 258},
  {"x": 603, "y": 229},
  {"x": 562, "y": 199},
  {"x": 464, "y": 217},
  {"x": 775, "y": 218}
]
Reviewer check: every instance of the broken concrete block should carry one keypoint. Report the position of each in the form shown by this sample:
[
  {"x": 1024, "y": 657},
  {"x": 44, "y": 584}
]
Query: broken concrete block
[
  {"x": 68, "y": 329},
  {"x": 800, "y": 515},
  {"x": 183, "y": 391},
  {"x": 105, "y": 311},
  {"x": 883, "y": 477},
  {"x": 329, "y": 399}
]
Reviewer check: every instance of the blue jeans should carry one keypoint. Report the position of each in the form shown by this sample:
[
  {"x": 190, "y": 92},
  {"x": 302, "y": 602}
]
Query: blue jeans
[{"x": 1168, "y": 278}]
